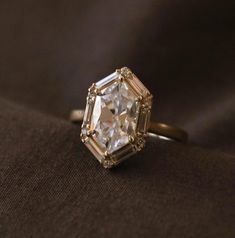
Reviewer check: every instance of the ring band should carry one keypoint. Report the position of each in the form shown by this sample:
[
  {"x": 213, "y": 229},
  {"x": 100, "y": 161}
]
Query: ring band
[
  {"x": 116, "y": 119},
  {"x": 161, "y": 130}
]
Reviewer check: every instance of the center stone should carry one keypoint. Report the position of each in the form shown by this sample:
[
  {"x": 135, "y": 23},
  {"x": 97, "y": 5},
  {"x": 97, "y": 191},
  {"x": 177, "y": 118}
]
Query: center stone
[{"x": 115, "y": 116}]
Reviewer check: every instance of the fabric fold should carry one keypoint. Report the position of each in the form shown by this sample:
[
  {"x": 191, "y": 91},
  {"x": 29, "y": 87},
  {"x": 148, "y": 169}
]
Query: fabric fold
[{"x": 52, "y": 186}]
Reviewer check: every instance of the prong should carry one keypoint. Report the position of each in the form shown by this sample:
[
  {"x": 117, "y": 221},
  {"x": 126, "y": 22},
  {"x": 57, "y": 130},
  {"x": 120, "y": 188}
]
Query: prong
[
  {"x": 94, "y": 90},
  {"x": 131, "y": 139},
  {"x": 90, "y": 132},
  {"x": 149, "y": 95},
  {"x": 107, "y": 164},
  {"x": 148, "y": 99},
  {"x": 107, "y": 161},
  {"x": 126, "y": 72},
  {"x": 140, "y": 98},
  {"x": 107, "y": 155},
  {"x": 90, "y": 98},
  {"x": 121, "y": 78},
  {"x": 140, "y": 143},
  {"x": 97, "y": 92},
  {"x": 126, "y": 69},
  {"x": 84, "y": 138},
  {"x": 146, "y": 107},
  {"x": 118, "y": 71},
  {"x": 120, "y": 75}
]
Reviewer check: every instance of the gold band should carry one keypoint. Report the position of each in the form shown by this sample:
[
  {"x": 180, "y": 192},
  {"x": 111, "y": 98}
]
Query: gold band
[
  {"x": 167, "y": 131},
  {"x": 159, "y": 129},
  {"x": 76, "y": 115}
]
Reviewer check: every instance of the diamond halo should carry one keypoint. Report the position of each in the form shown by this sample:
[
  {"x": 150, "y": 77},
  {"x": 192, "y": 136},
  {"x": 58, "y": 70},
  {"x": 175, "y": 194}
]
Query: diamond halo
[{"x": 116, "y": 118}]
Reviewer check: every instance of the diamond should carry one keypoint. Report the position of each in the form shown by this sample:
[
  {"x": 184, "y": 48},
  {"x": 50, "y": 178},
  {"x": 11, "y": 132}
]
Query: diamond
[{"x": 117, "y": 118}]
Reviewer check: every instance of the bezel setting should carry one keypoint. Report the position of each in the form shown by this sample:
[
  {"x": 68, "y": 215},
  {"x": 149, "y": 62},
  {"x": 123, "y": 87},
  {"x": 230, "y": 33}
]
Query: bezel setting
[{"x": 136, "y": 140}]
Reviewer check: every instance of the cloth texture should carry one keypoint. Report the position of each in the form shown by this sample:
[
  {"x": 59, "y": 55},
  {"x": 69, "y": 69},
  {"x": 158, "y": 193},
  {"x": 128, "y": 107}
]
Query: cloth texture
[{"x": 50, "y": 53}]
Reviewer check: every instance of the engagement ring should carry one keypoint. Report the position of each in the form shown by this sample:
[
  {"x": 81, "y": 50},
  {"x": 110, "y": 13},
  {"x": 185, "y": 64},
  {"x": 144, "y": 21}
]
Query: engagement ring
[{"x": 116, "y": 120}]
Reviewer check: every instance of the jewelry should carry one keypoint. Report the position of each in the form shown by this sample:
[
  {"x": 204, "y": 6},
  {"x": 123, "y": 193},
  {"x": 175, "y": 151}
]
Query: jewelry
[{"x": 116, "y": 120}]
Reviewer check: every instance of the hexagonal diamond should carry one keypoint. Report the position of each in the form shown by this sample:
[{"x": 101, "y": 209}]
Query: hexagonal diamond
[
  {"x": 116, "y": 118},
  {"x": 115, "y": 115}
]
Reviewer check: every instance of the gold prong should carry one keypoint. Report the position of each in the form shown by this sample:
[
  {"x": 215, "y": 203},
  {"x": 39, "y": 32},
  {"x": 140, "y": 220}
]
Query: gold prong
[
  {"x": 90, "y": 132},
  {"x": 145, "y": 109},
  {"x": 90, "y": 98},
  {"x": 148, "y": 99},
  {"x": 118, "y": 71},
  {"x": 92, "y": 88},
  {"x": 126, "y": 72},
  {"x": 121, "y": 78},
  {"x": 140, "y": 98},
  {"x": 140, "y": 143},
  {"x": 97, "y": 91},
  {"x": 84, "y": 138},
  {"x": 149, "y": 95},
  {"x": 107, "y": 164},
  {"x": 125, "y": 69},
  {"x": 107, "y": 155},
  {"x": 131, "y": 139}
]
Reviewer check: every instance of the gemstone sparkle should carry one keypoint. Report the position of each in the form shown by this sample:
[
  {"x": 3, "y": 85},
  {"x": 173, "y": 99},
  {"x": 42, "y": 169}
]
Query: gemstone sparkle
[{"x": 115, "y": 116}]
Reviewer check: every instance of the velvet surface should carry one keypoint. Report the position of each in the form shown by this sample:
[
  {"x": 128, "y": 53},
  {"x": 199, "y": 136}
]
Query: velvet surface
[{"x": 50, "y": 53}]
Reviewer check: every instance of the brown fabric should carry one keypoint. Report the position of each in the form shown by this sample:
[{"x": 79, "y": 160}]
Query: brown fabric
[{"x": 50, "y": 52}]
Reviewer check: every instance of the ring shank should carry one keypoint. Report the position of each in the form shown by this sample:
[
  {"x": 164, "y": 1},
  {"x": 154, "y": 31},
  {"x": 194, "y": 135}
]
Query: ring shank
[
  {"x": 159, "y": 129},
  {"x": 168, "y": 131}
]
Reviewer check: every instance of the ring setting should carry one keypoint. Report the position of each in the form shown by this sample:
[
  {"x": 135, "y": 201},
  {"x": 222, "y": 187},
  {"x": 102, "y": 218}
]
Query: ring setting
[{"x": 116, "y": 119}]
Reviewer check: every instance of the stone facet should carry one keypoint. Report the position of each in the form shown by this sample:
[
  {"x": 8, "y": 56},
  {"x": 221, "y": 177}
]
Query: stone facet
[{"x": 115, "y": 116}]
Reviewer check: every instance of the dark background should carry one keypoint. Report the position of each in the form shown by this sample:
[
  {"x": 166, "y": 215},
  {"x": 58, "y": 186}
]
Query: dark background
[{"x": 50, "y": 53}]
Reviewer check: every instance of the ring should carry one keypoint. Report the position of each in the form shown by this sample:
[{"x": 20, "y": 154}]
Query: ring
[{"x": 116, "y": 120}]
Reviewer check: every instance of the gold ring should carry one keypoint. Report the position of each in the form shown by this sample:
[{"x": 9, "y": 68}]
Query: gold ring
[{"x": 116, "y": 120}]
